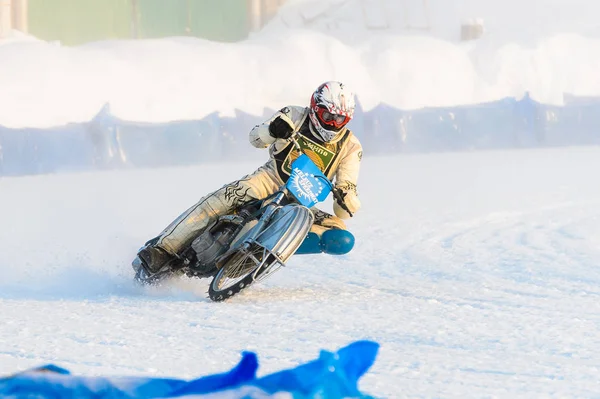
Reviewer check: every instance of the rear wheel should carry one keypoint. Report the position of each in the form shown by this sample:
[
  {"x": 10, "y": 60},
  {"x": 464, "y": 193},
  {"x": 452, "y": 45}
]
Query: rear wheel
[{"x": 241, "y": 270}]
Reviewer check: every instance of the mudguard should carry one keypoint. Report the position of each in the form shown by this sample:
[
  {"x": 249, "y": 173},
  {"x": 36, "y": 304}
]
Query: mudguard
[{"x": 287, "y": 229}]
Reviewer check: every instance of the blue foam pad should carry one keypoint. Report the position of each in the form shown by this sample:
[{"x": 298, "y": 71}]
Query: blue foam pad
[
  {"x": 337, "y": 242},
  {"x": 310, "y": 245},
  {"x": 333, "y": 242}
]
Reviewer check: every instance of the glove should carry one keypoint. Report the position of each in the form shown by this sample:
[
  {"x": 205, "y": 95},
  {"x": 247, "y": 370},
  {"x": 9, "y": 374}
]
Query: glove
[{"x": 280, "y": 129}]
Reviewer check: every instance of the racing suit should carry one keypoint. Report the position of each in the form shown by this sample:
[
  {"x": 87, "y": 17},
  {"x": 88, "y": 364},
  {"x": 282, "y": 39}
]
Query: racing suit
[{"x": 339, "y": 158}]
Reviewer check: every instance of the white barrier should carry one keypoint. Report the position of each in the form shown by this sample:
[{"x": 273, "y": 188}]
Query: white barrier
[{"x": 5, "y": 17}]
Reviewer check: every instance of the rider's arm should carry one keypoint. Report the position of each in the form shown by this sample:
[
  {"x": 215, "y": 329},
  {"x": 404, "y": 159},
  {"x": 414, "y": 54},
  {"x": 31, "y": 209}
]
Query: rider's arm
[
  {"x": 347, "y": 178},
  {"x": 260, "y": 136}
]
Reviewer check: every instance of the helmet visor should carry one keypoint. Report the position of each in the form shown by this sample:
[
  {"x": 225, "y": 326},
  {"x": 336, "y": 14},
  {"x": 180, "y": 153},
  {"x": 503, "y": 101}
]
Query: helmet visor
[{"x": 333, "y": 119}]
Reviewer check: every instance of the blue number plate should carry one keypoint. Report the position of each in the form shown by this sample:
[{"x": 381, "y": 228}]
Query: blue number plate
[{"x": 307, "y": 183}]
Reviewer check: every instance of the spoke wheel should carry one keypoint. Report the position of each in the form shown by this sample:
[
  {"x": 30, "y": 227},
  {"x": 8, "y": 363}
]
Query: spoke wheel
[{"x": 239, "y": 272}]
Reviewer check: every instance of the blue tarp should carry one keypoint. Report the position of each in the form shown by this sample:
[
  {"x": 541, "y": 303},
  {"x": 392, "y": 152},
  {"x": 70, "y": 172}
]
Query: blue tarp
[
  {"x": 108, "y": 142},
  {"x": 331, "y": 376}
]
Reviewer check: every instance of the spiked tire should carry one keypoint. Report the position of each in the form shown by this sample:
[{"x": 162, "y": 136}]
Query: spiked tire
[{"x": 239, "y": 272}]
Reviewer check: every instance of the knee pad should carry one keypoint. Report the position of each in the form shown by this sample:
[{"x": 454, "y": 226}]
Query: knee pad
[
  {"x": 337, "y": 242},
  {"x": 310, "y": 245},
  {"x": 333, "y": 242}
]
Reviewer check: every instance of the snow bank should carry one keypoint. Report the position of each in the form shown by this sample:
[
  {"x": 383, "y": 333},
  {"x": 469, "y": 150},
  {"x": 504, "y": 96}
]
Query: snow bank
[
  {"x": 523, "y": 22},
  {"x": 45, "y": 84}
]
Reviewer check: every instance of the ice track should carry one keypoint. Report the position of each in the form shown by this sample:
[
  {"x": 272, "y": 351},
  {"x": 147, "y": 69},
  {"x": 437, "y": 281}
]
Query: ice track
[{"x": 477, "y": 272}]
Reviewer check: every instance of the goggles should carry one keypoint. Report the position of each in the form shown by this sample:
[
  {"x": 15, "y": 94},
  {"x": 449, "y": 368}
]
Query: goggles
[
  {"x": 329, "y": 117},
  {"x": 333, "y": 119}
]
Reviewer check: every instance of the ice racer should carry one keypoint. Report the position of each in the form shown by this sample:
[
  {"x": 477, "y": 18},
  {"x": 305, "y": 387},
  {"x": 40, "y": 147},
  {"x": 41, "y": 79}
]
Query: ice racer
[{"x": 324, "y": 137}]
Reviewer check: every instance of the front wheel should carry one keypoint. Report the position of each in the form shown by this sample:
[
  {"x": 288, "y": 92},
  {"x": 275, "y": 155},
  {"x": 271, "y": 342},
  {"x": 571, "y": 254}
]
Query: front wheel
[{"x": 241, "y": 269}]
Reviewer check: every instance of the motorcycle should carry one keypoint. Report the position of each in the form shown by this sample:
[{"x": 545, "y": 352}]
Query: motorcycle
[{"x": 254, "y": 241}]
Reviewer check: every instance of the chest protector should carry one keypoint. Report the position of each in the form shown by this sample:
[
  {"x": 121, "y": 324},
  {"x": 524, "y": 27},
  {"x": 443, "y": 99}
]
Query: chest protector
[{"x": 324, "y": 155}]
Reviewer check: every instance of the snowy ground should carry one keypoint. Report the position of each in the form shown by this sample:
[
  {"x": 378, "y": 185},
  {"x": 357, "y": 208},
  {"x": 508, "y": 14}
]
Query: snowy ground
[{"x": 477, "y": 272}]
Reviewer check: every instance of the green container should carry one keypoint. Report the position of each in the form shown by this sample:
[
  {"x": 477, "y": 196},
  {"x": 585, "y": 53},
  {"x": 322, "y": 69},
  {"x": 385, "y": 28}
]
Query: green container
[
  {"x": 75, "y": 22},
  {"x": 80, "y": 21},
  {"x": 218, "y": 20}
]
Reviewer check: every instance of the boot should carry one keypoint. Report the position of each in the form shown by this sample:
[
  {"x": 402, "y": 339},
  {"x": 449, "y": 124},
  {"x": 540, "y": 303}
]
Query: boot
[{"x": 154, "y": 258}]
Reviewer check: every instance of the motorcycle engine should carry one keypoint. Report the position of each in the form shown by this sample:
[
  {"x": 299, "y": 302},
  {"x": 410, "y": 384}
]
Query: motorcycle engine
[{"x": 215, "y": 240}]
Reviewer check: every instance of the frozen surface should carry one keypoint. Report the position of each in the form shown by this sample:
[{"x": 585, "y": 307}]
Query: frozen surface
[{"x": 477, "y": 273}]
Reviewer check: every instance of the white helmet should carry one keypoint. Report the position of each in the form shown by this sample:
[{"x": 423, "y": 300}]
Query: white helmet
[{"x": 331, "y": 108}]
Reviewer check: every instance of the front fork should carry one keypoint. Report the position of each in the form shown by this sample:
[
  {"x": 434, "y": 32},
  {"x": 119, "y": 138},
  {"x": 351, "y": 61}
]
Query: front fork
[{"x": 266, "y": 216}]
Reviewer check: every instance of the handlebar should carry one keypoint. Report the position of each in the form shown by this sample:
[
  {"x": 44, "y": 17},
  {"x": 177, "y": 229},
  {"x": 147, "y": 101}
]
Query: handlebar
[
  {"x": 294, "y": 141},
  {"x": 340, "y": 200}
]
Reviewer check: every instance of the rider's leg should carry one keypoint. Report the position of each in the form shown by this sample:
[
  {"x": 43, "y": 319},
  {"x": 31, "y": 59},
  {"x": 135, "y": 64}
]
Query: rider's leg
[{"x": 181, "y": 232}]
